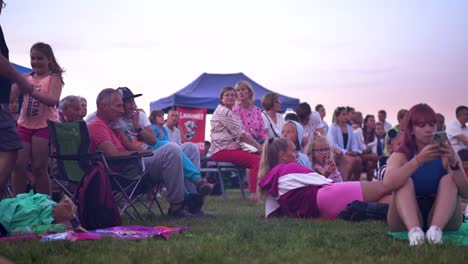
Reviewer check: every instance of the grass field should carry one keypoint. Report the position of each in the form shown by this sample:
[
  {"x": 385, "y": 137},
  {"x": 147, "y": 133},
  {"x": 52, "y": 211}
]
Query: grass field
[{"x": 239, "y": 234}]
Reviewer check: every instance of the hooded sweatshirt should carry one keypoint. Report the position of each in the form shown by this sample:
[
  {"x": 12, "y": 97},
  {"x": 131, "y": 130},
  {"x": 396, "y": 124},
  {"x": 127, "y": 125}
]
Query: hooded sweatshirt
[{"x": 302, "y": 158}]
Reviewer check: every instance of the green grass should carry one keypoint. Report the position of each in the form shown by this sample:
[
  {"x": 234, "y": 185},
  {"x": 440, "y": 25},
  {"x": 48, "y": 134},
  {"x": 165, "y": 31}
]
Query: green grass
[{"x": 240, "y": 235}]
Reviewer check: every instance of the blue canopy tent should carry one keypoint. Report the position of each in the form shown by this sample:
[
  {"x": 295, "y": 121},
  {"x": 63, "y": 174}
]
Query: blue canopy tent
[
  {"x": 21, "y": 69},
  {"x": 204, "y": 91}
]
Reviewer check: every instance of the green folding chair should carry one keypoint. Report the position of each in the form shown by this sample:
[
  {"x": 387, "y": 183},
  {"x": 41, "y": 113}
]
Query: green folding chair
[{"x": 69, "y": 147}]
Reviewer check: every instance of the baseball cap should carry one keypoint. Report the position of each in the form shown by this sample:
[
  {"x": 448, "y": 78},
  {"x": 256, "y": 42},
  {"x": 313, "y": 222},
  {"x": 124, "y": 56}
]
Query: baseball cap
[{"x": 126, "y": 93}]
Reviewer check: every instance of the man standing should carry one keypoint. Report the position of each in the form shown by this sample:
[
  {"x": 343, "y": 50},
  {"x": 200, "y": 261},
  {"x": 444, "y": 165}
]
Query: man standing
[
  {"x": 457, "y": 131},
  {"x": 166, "y": 163},
  {"x": 382, "y": 115},
  {"x": 10, "y": 142}
]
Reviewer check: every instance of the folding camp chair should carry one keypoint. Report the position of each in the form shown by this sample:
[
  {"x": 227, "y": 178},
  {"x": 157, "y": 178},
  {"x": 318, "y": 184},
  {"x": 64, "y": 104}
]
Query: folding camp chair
[
  {"x": 69, "y": 146},
  {"x": 220, "y": 167}
]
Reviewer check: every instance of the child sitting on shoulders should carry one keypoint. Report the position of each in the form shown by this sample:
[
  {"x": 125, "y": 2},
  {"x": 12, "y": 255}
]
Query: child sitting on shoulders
[{"x": 321, "y": 156}]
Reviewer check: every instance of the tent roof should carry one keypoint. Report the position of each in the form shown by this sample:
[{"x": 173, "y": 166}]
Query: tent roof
[
  {"x": 204, "y": 91},
  {"x": 21, "y": 69}
]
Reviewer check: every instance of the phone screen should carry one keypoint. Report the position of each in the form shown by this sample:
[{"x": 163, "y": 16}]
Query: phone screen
[{"x": 439, "y": 137}]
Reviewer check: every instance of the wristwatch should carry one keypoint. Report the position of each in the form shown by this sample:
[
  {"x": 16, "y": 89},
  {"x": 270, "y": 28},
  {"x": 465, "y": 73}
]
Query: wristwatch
[{"x": 454, "y": 167}]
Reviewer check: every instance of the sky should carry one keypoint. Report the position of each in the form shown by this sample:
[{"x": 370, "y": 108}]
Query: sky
[{"x": 369, "y": 54}]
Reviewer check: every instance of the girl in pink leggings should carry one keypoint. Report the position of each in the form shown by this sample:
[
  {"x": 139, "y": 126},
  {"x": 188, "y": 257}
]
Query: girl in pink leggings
[
  {"x": 38, "y": 107},
  {"x": 292, "y": 190}
]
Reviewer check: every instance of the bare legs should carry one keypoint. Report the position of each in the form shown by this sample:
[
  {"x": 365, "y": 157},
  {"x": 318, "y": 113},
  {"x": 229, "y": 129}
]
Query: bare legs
[
  {"x": 7, "y": 163},
  {"x": 370, "y": 160},
  {"x": 350, "y": 167},
  {"x": 37, "y": 154},
  {"x": 404, "y": 213},
  {"x": 374, "y": 192}
]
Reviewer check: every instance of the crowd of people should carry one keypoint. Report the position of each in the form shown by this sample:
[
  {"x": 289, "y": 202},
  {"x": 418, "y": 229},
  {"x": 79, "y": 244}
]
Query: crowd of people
[
  {"x": 296, "y": 165},
  {"x": 308, "y": 169}
]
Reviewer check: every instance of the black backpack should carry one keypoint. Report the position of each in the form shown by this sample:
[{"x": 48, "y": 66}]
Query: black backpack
[{"x": 96, "y": 204}]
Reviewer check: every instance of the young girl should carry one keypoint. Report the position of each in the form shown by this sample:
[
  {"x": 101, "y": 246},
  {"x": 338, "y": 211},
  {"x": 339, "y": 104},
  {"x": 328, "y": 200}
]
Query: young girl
[
  {"x": 292, "y": 190},
  {"x": 38, "y": 107},
  {"x": 293, "y": 131},
  {"x": 421, "y": 174},
  {"x": 321, "y": 156},
  {"x": 393, "y": 142}
]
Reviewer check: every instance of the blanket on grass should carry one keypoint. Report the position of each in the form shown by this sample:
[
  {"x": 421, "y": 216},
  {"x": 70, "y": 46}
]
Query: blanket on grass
[
  {"x": 459, "y": 237},
  {"x": 119, "y": 232}
]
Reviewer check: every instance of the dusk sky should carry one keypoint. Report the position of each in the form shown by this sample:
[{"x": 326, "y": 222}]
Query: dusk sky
[{"x": 368, "y": 54}]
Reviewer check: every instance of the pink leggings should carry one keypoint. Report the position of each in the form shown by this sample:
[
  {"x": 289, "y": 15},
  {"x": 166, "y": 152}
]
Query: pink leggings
[
  {"x": 333, "y": 198},
  {"x": 244, "y": 159}
]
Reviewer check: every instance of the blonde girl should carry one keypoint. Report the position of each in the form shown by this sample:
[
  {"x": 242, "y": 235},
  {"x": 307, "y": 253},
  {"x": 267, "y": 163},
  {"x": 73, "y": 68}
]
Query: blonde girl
[{"x": 321, "y": 156}]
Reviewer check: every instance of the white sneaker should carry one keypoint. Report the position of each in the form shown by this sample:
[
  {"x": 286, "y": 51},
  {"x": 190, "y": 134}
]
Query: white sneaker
[
  {"x": 434, "y": 235},
  {"x": 416, "y": 236}
]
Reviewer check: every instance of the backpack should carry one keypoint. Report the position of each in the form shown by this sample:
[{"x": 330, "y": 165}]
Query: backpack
[{"x": 96, "y": 205}]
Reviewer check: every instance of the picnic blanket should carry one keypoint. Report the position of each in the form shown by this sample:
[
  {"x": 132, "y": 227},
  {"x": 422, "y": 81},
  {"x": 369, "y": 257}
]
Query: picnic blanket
[
  {"x": 459, "y": 237},
  {"x": 118, "y": 232}
]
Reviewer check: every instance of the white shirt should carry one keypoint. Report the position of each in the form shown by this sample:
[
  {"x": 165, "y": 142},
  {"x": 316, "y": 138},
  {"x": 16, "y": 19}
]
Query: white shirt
[
  {"x": 325, "y": 127},
  {"x": 360, "y": 139},
  {"x": 129, "y": 129},
  {"x": 277, "y": 127},
  {"x": 174, "y": 135},
  {"x": 387, "y": 126},
  {"x": 454, "y": 128},
  {"x": 315, "y": 122}
]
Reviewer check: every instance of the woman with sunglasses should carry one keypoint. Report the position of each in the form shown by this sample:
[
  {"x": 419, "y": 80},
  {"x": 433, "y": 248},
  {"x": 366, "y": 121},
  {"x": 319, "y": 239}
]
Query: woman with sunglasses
[
  {"x": 292, "y": 190},
  {"x": 425, "y": 197}
]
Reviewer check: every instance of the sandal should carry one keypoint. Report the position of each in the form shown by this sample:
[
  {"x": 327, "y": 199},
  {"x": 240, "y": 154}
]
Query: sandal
[{"x": 204, "y": 187}]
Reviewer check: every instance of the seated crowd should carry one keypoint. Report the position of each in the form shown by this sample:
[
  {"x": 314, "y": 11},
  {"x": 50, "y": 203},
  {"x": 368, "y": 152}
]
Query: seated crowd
[{"x": 297, "y": 165}]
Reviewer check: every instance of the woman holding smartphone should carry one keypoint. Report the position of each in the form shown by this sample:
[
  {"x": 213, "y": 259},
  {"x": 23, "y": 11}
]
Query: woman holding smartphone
[{"x": 425, "y": 196}]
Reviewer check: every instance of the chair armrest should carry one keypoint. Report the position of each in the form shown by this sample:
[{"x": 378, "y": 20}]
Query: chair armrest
[
  {"x": 133, "y": 156},
  {"x": 90, "y": 156}
]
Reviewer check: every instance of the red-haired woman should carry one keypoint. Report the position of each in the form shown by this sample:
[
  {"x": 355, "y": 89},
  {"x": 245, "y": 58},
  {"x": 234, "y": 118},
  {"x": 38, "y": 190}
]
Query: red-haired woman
[{"x": 425, "y": 196}]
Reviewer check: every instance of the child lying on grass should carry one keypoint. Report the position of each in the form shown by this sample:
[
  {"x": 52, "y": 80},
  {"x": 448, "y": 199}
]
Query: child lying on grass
[{"x": 30, "y": 213}]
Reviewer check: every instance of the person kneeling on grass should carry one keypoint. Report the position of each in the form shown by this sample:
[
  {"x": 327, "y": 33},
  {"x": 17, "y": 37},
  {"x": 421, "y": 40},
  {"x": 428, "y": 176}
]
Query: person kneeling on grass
[
  {"x": 292, "y": 190},
  {"x": 425, "y": 196}
]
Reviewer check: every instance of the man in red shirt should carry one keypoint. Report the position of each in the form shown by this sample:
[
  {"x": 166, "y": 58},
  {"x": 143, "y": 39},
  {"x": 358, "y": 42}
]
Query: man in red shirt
[{"x": 166, "y": 163}]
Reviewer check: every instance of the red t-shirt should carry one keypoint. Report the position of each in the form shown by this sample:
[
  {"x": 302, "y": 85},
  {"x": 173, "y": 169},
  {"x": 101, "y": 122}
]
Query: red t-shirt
[{"x": 99, "y": 132}]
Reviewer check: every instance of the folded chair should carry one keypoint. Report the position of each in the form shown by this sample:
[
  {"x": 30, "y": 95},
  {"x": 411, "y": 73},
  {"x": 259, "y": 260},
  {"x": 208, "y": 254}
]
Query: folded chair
[
  {"x": 69, "y": 147},
  {"x": 219, "y": 167}
]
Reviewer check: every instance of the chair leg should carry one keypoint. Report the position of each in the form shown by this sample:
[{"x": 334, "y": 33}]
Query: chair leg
[
  {"x": 241, "y": 184},
  {"x": 156, "y": 198},
  {"x": 64, "y": 189},
  {"x": 128, "y": 198},
  {"x": 221, "y": 184}
]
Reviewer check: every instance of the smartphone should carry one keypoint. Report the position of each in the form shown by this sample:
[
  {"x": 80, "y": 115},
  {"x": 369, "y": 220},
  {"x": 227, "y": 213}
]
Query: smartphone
[{"x": 439, "y": 137}]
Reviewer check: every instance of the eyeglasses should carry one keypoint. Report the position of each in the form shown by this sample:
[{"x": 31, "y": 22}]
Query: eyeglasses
[{"x": 322, "y": 150}]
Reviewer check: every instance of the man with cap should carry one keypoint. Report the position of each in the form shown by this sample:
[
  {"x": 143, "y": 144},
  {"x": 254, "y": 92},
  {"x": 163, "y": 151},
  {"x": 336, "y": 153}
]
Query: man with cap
[
  {"x": 135, "y": 132},
  {"x": 166, "y": 163}
]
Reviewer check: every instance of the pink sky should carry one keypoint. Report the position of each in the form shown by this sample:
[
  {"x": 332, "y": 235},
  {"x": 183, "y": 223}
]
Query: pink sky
[{"x": 368, "y": 54}]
